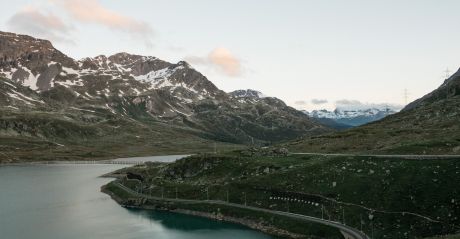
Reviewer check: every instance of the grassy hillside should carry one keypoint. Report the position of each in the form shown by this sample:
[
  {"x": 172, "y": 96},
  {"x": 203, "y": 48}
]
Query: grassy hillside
[
  {"x": 446, "y": 237},
  {"x": 76, "y": 135},
  {"x": 389, "y": 198},
  {"x": 428, "y": 129},
  {"x": 60, "y": 124}
]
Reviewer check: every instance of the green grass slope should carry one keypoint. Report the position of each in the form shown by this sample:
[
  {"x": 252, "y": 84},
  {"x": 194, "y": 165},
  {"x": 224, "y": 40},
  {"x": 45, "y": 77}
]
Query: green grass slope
[
  {"x": 387, "y": 198},
  {"x": 73, "y": 135},
  {"x": 428, "y": 129}
]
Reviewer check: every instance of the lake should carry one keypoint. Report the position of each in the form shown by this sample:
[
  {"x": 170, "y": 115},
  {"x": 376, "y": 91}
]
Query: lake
[{"x": 64, "y": 202}]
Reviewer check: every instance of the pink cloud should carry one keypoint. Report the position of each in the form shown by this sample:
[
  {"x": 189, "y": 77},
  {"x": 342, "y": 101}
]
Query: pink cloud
[
  {"x": 226, "y": 61},
  {"x": 220, "y": 58},
  {"x": 91, "y": 11}
]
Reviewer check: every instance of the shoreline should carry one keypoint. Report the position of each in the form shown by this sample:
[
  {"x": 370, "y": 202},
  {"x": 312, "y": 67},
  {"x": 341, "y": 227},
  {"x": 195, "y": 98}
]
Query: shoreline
[
  {"x": 269, "y": 230},
  {"x": 96, "y": 159},
  {"x": 92, "y": 161}
]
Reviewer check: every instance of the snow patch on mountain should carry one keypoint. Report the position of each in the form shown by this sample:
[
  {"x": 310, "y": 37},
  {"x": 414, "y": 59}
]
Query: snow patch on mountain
[
  {"x": 31, "y": 80},
  {"x": 352, "y": 117},
  {"x": 157, "y": 78},
  {"x": 345, "y": 113},
  {"x": 248, "y": 94}
]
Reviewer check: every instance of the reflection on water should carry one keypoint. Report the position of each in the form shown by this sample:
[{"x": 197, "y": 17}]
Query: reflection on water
[{"x": 64, "y": 202}]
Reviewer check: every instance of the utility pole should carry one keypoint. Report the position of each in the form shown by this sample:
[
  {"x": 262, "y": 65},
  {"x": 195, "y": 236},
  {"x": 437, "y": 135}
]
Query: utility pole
[
  {"x": 245, "y": 202},
  {"x": 372, "y": 230},
  {"x": 176, "y": 193},
  {"x": 215, "y": 148},
  {"x": 447, "y": 75},
  {"x": 322, "y": 212},
  {"x": 406, "y": 96},
  {"x": 227, "y": 197},
  {"x": 207, "y": 193},
  {"x": 343, "y": 215},
  {"x": 162, "y": 192}
]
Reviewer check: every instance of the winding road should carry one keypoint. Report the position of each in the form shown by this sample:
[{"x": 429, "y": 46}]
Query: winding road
[
  {"x": 400, "y": 156},
  {"x": 348, "y": 232}
]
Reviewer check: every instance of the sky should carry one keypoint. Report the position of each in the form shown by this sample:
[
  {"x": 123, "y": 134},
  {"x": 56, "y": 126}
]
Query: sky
[{"x": 312, "y": 54}]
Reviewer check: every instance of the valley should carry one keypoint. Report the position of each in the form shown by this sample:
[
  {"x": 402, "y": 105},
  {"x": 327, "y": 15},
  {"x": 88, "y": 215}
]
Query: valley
[
  {"x": 255, "y": 160},
  {"x": 125, "y": 105}
]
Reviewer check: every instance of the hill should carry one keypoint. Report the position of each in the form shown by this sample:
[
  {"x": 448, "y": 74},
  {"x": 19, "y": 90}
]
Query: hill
[
  {"x": 428, "y": 125},
  {"x": 384, "y": 197}
]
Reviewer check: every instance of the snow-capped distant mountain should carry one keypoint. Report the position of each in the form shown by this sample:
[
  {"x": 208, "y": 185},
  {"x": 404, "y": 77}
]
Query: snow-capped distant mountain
[{"x": 351, "y": 118}]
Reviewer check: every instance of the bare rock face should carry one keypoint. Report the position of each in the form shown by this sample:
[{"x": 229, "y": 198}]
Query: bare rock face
[
  {"x": 139, "y": 65},
  {"x": 44, "y": 81},
  {"x": 26, "y": 59}
]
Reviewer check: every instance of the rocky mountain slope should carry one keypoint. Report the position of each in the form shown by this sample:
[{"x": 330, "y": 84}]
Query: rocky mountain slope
[
  {"x": 46, "y": 96},
  {"x": 345, "y": 118},
  {"x": 428, "y": 125}
]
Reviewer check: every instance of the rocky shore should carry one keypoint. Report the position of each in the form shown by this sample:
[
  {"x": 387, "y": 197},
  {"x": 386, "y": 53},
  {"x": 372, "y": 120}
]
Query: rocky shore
[{"x": 142, "y": 203}]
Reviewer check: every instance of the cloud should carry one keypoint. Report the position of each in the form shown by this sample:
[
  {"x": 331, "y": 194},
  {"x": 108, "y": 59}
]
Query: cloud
[
  {"x": 224, "y": 59},
  {"x": 197, "y": 60},
  {"x": 346, "y": 104},
  {"x": 91, "y": 11},
  {"x": 32, "y": 21},
  {"x": 319, "y": 101},
  {"x": 221, "y": 59},
  {"x": 301, "y": 102},
  {"x": 176, "y": 48}
]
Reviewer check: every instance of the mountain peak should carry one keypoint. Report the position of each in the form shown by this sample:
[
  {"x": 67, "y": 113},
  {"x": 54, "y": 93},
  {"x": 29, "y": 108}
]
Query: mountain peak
[
  {"x": 25, "y": 39},
  {"x": 249, "y": 93}
]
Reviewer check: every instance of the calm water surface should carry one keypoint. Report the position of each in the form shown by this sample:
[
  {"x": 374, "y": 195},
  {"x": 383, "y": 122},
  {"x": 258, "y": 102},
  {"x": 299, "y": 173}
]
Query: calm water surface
[{"x": 65, "y": 202}]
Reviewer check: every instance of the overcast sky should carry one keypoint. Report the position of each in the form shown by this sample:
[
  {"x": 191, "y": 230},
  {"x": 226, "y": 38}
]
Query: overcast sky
[{"x": 311, "y": 54}]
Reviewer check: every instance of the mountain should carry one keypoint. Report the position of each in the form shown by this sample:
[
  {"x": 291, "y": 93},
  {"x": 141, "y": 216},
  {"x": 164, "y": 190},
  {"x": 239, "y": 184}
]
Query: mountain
[
  {"x": 347, "y": 118},
  {"x": 428, "y": 125},
  {"x": 126, "y": 103},
  {"x": 245, "y": 94},
  {"x": 332, "y": 123}
]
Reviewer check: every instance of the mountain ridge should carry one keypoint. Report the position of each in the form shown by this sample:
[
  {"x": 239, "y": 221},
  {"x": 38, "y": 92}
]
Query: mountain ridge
[
  {"x": 349, "y": 117},
  {"x": 126, "y": 87}
]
